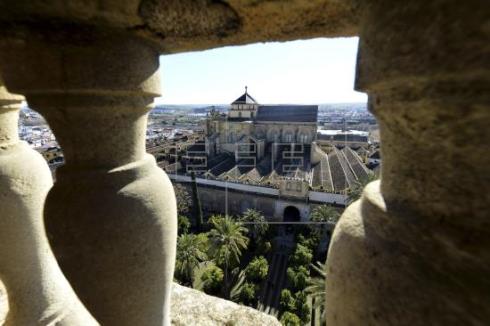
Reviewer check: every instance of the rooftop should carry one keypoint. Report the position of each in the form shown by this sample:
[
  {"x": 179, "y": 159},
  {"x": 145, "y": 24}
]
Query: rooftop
[
  {"x": 245, "y": 99},
  {"x": 287, "y": 113}
]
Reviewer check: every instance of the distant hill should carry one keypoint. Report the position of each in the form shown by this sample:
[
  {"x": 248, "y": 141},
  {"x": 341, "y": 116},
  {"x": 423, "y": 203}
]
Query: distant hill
[{"x": 343, "y": 106}]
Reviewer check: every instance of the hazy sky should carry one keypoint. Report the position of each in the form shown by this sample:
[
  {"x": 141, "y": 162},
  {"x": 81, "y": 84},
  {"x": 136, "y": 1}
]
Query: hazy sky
[{"x": 311, "y": 72}]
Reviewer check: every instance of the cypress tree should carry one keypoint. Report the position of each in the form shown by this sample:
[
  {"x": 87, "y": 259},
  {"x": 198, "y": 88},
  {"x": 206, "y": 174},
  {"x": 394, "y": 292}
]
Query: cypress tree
[{"x": 197, "y": 208}]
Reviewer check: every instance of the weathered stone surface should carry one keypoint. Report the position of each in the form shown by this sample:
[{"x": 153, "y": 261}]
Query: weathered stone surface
[
  {"x": 186, "y": 25},
  {"x": 192, "y": 307},
  {"x": 415, "y": 249},
  {"x": 39, "y": 294},
  {"x": 111, "y": 216},
  {"x": 4, "y": 306}
]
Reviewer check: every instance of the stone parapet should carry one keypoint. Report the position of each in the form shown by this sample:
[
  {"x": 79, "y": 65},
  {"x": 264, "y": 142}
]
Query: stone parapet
[{"x": 192, "y": 307}]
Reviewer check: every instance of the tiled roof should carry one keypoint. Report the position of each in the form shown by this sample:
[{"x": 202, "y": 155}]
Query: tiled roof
[
  {"x": 321, "y": 175},
  {"x": 355, "y": 163},
  {"x": 287, "y": 113},
  {"x": 223, "y": 167},
  {"x": 339, "y": 179}
]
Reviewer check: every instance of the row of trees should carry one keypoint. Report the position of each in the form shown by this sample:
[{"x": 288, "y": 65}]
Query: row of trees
[
  {"x": 293, "y": 301},
  {"x": 304, "y": 278},
  {"x": 211, "y": 261}
]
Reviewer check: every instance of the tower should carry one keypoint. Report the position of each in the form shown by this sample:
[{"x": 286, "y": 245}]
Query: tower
[{"x": 244, "y": 107}]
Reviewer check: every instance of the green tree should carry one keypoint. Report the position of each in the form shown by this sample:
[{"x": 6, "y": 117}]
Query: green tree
[
  {"x": 290, "y": 319},
  {"x": 236, "y": 282},
  {"x": 208, "y": 278},
  {"x": 324, "y": 214},
  {"x": 203, "y": 241},
  {"x": 247, "y": 294},
  {"x": 257, "y": 269},
  {"x": 183, "y": 224},
  {"x": 298, "y": 277},
  {"x": 287, "y": 301},
  {"x": 355, "y": 192},
  {"x": 263, "y": 247},
  {"x": 197, "y": 207},
  {"x": 302, "y": 256},
  {"x": 255, "y": 222},
  {"x": 227, "y": 240},
  {"x": 310, "y": 242},
  {"x": 316, "y": 288},
  {"x": 189, "y": 255},
  {"x": 302, "y": 307}
]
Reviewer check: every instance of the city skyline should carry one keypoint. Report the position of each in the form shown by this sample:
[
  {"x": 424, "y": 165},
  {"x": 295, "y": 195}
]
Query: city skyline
[{"x": 312, "y": 71}]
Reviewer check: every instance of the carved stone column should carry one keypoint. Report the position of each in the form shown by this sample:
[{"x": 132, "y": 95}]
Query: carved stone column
[
  {"x": 111, "y": 215},
  {"x": 38, "y": 293},
  {"x": 415, "y": 250}
]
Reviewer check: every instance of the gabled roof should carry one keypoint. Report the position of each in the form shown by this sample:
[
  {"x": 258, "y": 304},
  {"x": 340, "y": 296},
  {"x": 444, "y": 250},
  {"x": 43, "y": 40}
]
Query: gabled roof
[
  {"x": 245, "y": 99},
  {"x": 376, "y": 155},
  {"x": 287, "y": 113}
]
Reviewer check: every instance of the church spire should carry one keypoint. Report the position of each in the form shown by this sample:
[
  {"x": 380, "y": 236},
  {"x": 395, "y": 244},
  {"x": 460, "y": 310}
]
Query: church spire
[{"x": 246, "y": 88}]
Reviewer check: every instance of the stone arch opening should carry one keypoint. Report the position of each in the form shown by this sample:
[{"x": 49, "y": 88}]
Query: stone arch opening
[{"x": 291, "y": 214}]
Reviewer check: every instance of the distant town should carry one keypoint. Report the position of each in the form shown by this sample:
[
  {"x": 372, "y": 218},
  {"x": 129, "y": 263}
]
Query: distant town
[{"x": 174, "y": 123}]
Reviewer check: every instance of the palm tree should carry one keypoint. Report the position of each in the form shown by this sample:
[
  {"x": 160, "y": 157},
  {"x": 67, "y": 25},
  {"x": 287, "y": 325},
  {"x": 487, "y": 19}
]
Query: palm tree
[
  {"x": 355, "y": 191},
  {"x": 227, "y": 240},
  {"x": 325, "y": 214},
  {"x": 255, "y": 222},
  {"x": 190, "y": 253},
  {"x": 316, "y": 288}
]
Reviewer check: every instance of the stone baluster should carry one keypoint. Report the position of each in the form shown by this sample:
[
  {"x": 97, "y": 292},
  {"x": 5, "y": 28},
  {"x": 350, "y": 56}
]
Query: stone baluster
[
  {"x": 38, "y": 293},
  {"x": 415, "y": 250},
  {"x": 111, "y": 215}
]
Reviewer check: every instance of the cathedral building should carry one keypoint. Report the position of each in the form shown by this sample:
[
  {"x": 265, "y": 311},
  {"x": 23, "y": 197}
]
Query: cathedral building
[
  {"x": 275, "y": 146},
  {"x": 266, "y": 157}
]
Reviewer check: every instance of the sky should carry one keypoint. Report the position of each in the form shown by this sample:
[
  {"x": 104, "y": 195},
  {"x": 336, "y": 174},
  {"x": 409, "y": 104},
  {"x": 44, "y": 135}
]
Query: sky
[{"x": 300, "y": 72}]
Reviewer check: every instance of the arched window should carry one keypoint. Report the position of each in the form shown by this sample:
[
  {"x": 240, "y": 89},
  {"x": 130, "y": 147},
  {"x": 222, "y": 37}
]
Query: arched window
[
  {"x": 288, "y": 137},
  {"x": 303, "y": 138},
  {"x": 274, "y": 136}
]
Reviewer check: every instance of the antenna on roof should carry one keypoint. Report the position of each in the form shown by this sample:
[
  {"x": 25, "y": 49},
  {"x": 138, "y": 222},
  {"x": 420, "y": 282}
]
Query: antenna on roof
[{"x": 246, "y": 89}]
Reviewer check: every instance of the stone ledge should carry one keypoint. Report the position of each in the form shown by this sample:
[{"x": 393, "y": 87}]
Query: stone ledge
[
  {"x": 189, "y": 25},
  {"x": 192, "y": 307}
]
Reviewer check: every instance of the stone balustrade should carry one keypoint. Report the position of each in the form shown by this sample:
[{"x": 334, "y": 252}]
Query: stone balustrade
[
  {"x": 415, "y": 249},
  {"x": 38, "y": 292},
  {"x": 111, "y": 215}
]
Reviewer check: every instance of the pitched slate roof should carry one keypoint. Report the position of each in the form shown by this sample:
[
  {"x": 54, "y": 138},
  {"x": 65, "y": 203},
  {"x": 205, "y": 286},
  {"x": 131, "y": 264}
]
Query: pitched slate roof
[
  {"x": 245, "y": 99},
  {"x": 287, "y": 113}
]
